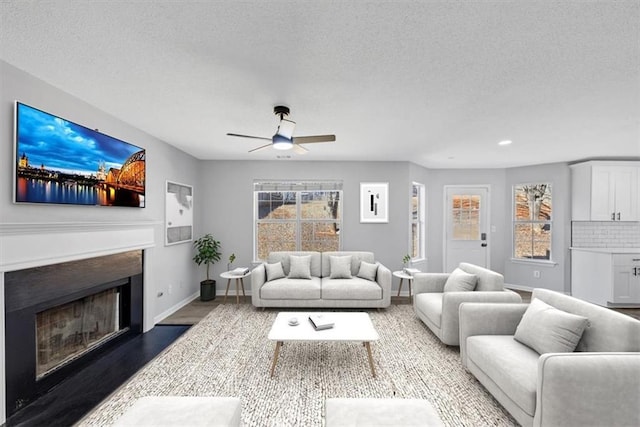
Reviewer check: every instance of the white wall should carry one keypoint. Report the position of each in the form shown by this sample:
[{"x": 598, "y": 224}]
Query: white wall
[
  {"x": 553, "y": 276},
  {"x": 170, "y": 266}
]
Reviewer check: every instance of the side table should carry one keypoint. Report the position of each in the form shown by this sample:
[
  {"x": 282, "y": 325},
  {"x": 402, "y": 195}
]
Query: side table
[
  {"x": 239, "y": 284},
  {"x": 402, "y": 276}
]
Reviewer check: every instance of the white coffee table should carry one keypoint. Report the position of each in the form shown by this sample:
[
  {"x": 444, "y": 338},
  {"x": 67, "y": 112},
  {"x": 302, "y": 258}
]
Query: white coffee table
[{"x": 349, "y": 326}]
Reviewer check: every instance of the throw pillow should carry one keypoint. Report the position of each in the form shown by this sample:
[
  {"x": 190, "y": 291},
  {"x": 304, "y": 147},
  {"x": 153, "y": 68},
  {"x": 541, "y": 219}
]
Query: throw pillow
[
  {"x": 460, "y": 281},
  {"x": 340, "y": 267},
  {"x": 274, "y": 271},
  {"x": 368, "y": 271},
  {"x": 300, "y": 267},
  {"x": 548, "y": 330}
]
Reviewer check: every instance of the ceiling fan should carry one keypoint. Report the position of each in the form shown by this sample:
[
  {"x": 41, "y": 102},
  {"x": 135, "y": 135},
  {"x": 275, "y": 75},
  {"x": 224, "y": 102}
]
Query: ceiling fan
[{"x": 283, "y": 139}]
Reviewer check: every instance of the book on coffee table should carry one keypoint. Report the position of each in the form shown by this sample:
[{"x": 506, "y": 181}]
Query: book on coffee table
[{"x": 320, "y": 321}]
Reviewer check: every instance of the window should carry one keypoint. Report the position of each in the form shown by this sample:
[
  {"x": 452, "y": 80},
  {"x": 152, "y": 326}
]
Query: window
[
  {"x": 297, "y": 216},
  {"x": 532, "y": 221},
  {"x": 417, "y": 221},
  {"x": 465, "y": 211}
]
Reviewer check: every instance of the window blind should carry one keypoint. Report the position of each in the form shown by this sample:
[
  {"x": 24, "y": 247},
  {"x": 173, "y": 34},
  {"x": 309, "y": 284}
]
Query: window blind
[{"x": 292, "y": 185}]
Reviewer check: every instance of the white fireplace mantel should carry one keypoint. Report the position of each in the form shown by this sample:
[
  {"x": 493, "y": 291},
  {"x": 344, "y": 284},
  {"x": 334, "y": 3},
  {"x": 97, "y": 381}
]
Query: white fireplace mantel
[{"x": 28, "y": 245}]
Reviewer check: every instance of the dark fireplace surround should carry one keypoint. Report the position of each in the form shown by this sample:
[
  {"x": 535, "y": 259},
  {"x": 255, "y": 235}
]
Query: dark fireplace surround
[{"x": 33, "y": 290}]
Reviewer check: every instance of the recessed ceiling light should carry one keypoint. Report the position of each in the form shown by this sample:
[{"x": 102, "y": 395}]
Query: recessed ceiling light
[{"x": 505, "y": 142}]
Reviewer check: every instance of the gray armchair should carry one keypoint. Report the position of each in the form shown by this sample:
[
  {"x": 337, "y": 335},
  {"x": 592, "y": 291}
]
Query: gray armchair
[
  {"x": 598, "y": 384},
  {"x": 439, "y": 309}
]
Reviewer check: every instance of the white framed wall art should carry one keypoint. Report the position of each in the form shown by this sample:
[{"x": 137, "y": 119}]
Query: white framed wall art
[
  {"x": 178, "y": 213},
  {"x": 374, "y": 202}
]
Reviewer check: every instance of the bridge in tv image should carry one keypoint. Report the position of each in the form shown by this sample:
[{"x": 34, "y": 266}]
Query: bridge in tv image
[
  {"x": 124, "y": 186},
  {"x": 58, "y": 161}
]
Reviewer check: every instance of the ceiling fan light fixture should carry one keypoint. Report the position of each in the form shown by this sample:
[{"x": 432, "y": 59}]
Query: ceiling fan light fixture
[{"x": 282, "y": 143}]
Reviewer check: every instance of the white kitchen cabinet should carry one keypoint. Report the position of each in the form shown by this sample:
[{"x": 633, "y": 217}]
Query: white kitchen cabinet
[
  {"x": 608, "y": 277},
  {"x": 605, "y": 191},
  {"x": 626, "y": 279}
]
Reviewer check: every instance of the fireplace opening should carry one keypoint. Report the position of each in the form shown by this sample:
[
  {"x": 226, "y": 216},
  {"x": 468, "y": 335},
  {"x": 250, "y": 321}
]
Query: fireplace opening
[
  {"x": 61, "y": 318},
  {"x": 66, "y": 332}
]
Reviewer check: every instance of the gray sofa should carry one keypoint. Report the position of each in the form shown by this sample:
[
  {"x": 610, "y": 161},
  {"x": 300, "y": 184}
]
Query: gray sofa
[
  {"x": 598, "y": 384},
  {"x": 439, "y": 309},
  {"x": 320, "y": 290}
]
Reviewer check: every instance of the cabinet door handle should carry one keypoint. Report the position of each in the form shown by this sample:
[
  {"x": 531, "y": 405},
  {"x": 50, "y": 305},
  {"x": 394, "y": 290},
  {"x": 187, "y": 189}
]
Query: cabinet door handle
[
  {"x": 618, "y": 216},
  {"x": 613, "y": 216}
]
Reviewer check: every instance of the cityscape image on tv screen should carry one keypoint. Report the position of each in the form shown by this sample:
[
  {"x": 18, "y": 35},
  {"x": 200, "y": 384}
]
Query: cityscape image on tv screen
[{"x": 58, "y": 161}]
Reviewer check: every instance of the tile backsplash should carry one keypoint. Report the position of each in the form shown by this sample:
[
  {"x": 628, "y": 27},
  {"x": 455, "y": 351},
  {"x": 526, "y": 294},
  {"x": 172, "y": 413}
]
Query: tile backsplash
[{"x": 607, "y": 234}]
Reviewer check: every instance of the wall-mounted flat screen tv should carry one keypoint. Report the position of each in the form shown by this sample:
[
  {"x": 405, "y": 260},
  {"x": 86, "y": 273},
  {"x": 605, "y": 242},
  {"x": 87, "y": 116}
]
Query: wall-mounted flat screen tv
[{"x": 61, "y": 162}]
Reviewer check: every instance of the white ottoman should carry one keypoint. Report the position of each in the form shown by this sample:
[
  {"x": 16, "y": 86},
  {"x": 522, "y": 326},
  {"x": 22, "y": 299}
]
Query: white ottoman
[
  {"x": 182, "y": 411},
  {"x": 380, "y": 412}
]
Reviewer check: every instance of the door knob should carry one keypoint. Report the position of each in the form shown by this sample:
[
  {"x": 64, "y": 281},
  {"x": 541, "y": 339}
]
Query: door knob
[{"x": 484, "y": 245}]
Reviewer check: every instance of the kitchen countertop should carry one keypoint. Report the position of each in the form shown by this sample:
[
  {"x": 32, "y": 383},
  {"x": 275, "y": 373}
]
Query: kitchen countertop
[{"x": 609, "y": 250}]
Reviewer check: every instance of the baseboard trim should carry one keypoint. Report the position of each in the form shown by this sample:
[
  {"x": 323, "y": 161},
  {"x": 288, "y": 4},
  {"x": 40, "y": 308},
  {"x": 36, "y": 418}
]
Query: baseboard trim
[{"x": 168, "y": 312}]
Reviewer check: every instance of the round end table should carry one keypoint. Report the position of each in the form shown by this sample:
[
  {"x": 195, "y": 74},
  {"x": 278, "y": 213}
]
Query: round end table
[
  {"x": 402, "y": 276},
  {"x": 239, "y": 284}
]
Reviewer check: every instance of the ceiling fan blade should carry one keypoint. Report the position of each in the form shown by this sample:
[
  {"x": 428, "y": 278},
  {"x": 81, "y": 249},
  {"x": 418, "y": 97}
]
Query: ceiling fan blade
[
  {"x": 299, "y": 149},
  {"x": 260, "y": 148},
  {"x": 314, "y": 138},
  {"x": 249, "y": 136}
]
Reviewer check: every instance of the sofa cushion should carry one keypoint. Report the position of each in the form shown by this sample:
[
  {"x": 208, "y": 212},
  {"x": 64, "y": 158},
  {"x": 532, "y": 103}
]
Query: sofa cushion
[
  {"x": 549, "y": 330},
  {"x": 607, "y": 330},
  {"x": 340, "y": 267},
  {"x": 291, "y": 289},
  {"x": 513, "y": 367},
  {"x": 356, "y": 258},
  {"x": 350, "y": 289},
  {"x": 299, "y": 267},
  {"x": 488, "y": 280},
  {"x": 274, "y": 271},
  {"x": 460, "y": 281},
  {"x": 430, "y": 304},
  {"x": 283, "y": 256},
  {"x": 368, "y": 271}
]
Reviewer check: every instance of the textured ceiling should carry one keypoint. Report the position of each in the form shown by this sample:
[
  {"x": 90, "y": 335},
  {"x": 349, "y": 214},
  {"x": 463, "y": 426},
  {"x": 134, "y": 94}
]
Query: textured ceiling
[{"x": 438, "y": 83}]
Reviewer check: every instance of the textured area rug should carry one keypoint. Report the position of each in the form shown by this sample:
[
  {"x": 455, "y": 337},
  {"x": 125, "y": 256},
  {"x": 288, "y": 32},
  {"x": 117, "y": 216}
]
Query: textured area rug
[{"x": 228, "y": 354}]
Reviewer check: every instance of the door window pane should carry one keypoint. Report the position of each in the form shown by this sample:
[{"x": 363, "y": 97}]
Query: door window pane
[{"x": 466, "y": 217}]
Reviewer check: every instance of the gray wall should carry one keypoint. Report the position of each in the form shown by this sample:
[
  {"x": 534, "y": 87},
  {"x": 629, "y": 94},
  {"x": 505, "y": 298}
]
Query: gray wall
[
  {"x": 224, "y": 203},
  {"x": 172, "y": 265},
  {"x": 438, "y": 178},
  {"x": 225, "y": 195},
  {"x": 556, "y": 275}
]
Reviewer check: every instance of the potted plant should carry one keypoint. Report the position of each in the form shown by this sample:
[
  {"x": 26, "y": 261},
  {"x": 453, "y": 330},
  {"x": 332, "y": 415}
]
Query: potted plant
[
  {"x": 406, "y": 260},
  {"x": 232, "y": 258},
  {"x": 207, "y": 252}
]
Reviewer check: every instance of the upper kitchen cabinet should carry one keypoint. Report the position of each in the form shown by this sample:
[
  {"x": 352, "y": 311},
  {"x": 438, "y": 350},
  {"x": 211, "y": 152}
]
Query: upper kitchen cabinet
[{"x": 605, "y": 191}]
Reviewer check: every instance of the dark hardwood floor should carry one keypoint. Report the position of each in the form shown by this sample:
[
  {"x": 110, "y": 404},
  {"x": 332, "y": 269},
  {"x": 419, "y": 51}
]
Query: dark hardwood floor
[{"x": 72, "y": 399}]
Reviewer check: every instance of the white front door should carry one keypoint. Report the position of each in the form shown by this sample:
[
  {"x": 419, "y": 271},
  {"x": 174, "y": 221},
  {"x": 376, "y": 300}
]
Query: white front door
[{"x": 466, "y": 217}]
